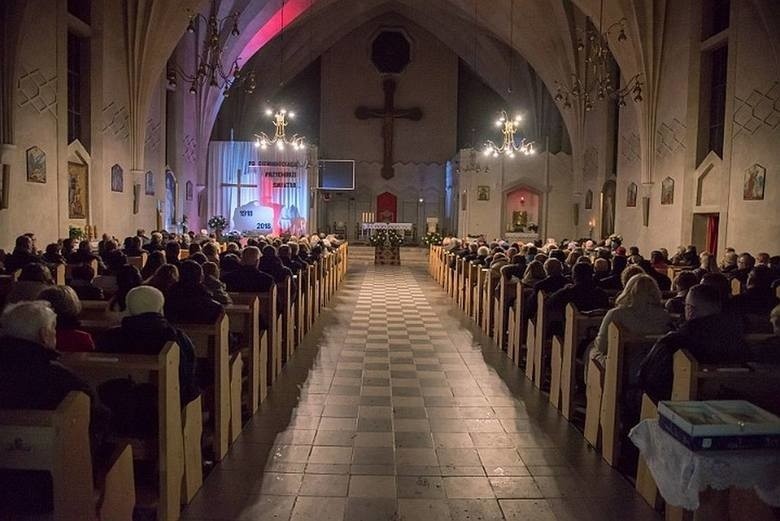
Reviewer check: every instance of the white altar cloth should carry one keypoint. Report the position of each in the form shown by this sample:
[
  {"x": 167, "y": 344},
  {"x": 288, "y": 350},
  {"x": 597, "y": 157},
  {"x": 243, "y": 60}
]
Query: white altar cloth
[
  {"x": 681, "y": 474},
  {"x": 405, "y": 227}
]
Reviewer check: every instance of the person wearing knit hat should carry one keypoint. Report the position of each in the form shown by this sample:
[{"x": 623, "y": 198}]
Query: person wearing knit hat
[
  {"x": 145, "y": 331},
  {"x": 144, "y": 299}
]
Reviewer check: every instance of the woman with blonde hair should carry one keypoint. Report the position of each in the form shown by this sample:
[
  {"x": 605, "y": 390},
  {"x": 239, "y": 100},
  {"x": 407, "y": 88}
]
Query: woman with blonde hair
[{"x": 638, "y": 311}]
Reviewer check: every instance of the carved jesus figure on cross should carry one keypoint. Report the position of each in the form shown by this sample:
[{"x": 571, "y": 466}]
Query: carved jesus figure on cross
[{"x": 388, "y": 115}]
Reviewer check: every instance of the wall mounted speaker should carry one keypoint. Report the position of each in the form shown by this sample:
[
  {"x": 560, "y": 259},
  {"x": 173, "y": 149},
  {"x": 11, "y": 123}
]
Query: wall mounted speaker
[
  {"x": 576, "y": 214},
  {"x": 645, "y": 211}
]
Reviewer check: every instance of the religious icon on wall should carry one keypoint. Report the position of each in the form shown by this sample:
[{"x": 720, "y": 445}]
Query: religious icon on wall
[
  {"x": 589, "y": 200},
  {"x": 77, "y": 191},
  {"x": 483, "y": 193},
  {"x": 117, "y": 179},
  {"x": 755, "y": 179},
  {"x": 188, "y": 190},
  {"x": 36, "y": 165},
  {"x": 149, "y": 183},
  {"x": 667, "y": 191},
  {"x": 631, "y": 195},
  {"x": 171, "y": 187}
]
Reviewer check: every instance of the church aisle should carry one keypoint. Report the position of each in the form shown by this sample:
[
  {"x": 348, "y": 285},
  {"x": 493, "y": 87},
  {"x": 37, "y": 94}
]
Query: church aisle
[{"x": 391, "y": 410}]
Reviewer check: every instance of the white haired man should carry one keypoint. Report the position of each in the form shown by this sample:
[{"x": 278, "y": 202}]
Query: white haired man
[{"x": 30, "y": 377}]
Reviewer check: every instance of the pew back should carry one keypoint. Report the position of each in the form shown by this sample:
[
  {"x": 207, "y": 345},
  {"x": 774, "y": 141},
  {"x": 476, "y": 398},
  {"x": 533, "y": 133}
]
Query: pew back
[{"x": 162, "y": 371}]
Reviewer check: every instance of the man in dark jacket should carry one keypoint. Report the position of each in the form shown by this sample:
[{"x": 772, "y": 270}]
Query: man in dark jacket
[
  {"x": 31, "y": 378},
  {"x": 583, "y": 293},
  {"x": 758, "y": 298},
  {"x": 709, "y": 334},
  {"x": 289, "y": 258},
  {"x": 619, "y": 263},
  {"x": 146, "y": 331},
  {"x": 21, "y": 256},
  {"x": 550, "y": 284},
  {"x": 247, "y": 278},
  {"x": 664, "y": 282},
  {"x": 189, "y": 301},
  {"x": 81, "y": 282},
  {"x": 745, "y": 264},
  {"x": 269, "y": 263}
]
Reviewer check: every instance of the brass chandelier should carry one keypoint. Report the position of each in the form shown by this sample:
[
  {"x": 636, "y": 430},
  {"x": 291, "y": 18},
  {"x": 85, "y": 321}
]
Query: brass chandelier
[
  {"x": 598, "y": 82},
  {"x": 280, "y": 139},
  {"x": 509, "y": 146},
  {"x": 210, "y": 69}
]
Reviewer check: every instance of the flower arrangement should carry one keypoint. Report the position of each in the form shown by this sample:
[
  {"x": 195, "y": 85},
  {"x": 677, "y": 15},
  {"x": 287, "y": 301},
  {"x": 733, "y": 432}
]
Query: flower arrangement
[
  {"x": 389, "y": 238},
  {"x": 76, "y": 233},
  {"x": 217, "y": 223},
  {"x": 432, "y": 238}
]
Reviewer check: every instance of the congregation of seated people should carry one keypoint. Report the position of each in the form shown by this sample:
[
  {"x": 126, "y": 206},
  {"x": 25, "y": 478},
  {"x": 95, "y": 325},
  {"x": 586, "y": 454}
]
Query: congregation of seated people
[
  {"x": 40, "y": 320},
  {"x": 698, "y": 309},
  {"x": 720, "y": 313}
]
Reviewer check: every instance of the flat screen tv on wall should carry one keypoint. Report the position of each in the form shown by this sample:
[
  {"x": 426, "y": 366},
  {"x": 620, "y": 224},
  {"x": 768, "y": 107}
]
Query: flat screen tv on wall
[{"x": 336, "y": 174}]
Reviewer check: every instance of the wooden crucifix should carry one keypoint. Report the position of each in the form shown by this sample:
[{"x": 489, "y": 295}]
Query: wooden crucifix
[{"x": 388, "y": 115}]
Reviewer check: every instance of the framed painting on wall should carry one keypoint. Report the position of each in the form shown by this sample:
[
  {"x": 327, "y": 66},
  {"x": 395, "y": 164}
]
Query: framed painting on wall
[
  {"x": 117, "y": 179},
  {"x": 589, "y": 200},
  {"x": 631, "y": 195},
  {"x": 36, "y": 165},
  {"x": 188, "y": 191},
  {"x": 755, "y": 180},
  {"x": 483, "y": 193},
  {"x": 78, "y": 190},
  {"x": 667, "y": 191},
  {"x": 149, "y": 183}
]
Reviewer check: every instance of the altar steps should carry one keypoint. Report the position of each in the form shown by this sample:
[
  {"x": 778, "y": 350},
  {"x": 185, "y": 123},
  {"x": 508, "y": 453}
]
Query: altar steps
[{"x": 410, "y": 256}]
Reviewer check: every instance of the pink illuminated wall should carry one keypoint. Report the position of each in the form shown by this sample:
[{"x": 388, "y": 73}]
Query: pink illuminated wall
[{"x": 522, "y": 199}]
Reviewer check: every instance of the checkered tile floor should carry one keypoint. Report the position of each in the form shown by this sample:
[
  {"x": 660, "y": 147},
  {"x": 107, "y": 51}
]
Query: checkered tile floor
[{"x": 395, "y": 408}]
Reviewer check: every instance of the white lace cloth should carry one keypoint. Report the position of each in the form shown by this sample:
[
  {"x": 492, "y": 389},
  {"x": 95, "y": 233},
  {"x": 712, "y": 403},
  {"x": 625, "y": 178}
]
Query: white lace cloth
[{"x": 681, "y": 473}]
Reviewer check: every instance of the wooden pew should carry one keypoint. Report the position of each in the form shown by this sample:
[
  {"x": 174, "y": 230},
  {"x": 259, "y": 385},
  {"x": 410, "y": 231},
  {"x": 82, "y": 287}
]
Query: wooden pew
[
  {"x": 95, "y": 310},
  {"x": 612, "y": 381},
  {"x": 564, "y": 357},
  {"x": 541, "y": 342},
  {"x": 139, "y": 262},
  {"x": 486, "y": 309},
  {"x": 695, "y": 381},
  {"x": 69, "y": 268},
  {"x": 58, "y": 442},
  {"x": 517, "y": 326},
  {"x": 211, "y": 343},
  {"x": 298, "y": 309},
  {"x": 288, "y": 319},
  {"x": 309, "y": 298},
  {"x": 459, "y": 282},
  {"x": 452, "y": 266},
  {"x": 162, "y": 371},
  {"x": 59, "y": 274},
  {"x": 473, "y": 291},
  {"x": 501, "y": 322},
  {"x": 268, "y": 312},
  {"x": 245, "y": 319}
]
